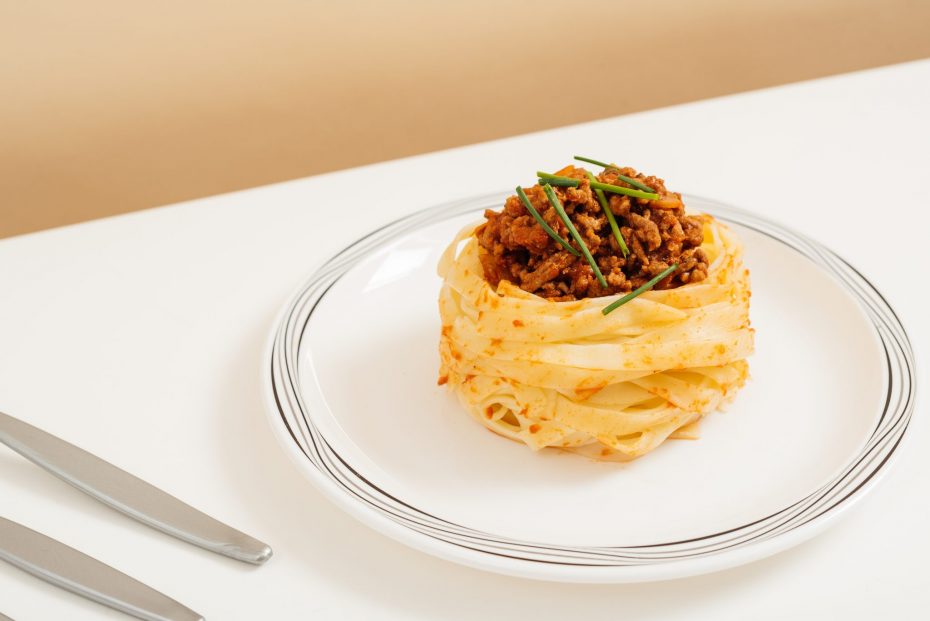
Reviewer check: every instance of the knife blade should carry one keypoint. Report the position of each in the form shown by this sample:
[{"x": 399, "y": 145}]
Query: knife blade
[
  {"x": 127, "y": 493},
  {"x": 65, "y": 567},
  {"x": 3, "y": 617}
]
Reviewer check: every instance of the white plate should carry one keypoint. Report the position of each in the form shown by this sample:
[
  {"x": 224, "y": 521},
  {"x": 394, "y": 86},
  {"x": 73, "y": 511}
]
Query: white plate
[{"x": 351, "y": 372}]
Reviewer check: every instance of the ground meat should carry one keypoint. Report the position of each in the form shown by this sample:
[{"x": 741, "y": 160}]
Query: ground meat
[{"x": 657, "y": 233}]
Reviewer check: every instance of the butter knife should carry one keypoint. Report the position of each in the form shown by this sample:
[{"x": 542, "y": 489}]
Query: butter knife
[
  {"x": 127, "y": 493},
  {"x": 65, "y": 567}
]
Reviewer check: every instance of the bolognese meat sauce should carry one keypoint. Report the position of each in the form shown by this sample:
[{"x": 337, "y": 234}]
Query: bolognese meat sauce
[{"x": 657, "y": 233}]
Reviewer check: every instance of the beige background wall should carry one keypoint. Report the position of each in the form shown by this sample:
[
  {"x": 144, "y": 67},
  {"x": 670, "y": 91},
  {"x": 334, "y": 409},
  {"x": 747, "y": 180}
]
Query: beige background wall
[{"x": 108, "y": 106}]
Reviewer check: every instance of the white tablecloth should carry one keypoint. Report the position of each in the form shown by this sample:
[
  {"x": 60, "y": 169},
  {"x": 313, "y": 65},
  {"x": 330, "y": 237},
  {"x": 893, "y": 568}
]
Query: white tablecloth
[{"x": 139, "y": 338}]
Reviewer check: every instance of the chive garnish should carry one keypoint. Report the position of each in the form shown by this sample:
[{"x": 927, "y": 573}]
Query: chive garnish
[
  {"x": 542, "y": 223},
  {"x": 582, "y": 158},
  {"x": 554, "y": 201},
  {"x": 610, "y": 217},
  {"x": 616, "y": 189},
  {"x": 646, "y": 287},
  {"x": 630, "y": 180},
  {"x": 613, "y": 189},
  {"x": 557, "y": 180},
  {"x": 554, "y": 181}
]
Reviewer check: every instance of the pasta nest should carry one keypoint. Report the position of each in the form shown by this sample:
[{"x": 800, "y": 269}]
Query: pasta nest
[{"x": 564, "y": 375}]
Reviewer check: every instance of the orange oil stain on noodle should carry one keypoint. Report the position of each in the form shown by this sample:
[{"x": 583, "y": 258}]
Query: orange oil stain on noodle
[{"x": 587, "y": 393}]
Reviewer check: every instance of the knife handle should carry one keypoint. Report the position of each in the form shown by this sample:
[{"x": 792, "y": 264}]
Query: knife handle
[
  {"x": 65, "y": 567},
  {"x": 129, "y": 494}
]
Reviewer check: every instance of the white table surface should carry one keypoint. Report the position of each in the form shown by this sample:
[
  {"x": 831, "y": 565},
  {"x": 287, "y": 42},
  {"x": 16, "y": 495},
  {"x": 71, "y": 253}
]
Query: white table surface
[{"x": 139, "y": 338}]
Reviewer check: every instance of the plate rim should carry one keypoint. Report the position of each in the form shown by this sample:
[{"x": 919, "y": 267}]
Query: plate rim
[{"x": 498, "y": 555}]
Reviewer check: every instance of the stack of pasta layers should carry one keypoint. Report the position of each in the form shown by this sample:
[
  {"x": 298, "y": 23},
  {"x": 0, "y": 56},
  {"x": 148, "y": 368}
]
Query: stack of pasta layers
[{"x": 612, "y": 387}]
